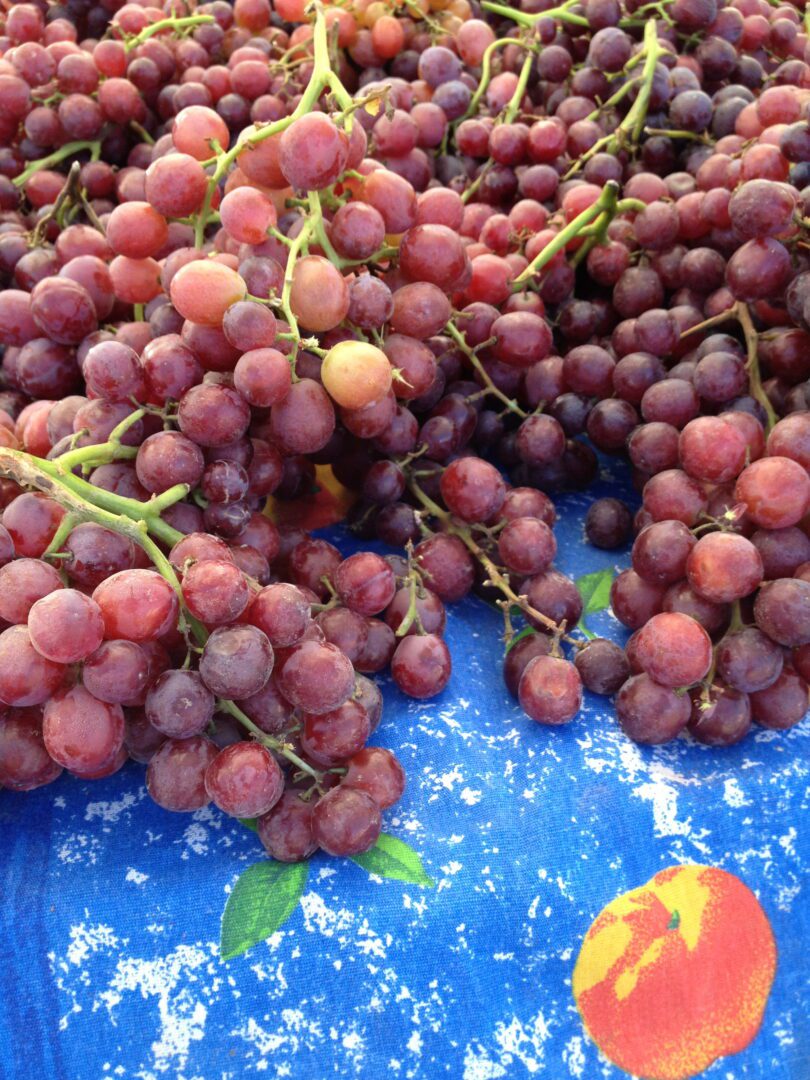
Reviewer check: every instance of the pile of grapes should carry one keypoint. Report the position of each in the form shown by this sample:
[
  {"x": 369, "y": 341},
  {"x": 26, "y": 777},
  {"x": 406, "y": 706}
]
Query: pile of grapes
[{"x": 450, "y": 250}]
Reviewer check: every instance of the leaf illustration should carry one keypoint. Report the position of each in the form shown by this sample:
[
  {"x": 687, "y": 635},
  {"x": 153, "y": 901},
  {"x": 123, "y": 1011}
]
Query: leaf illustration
[
  {"x": 595, "y": 590},
  {"x": 525, "y": 632},
  {"x": 393, "y": 858},
  {"x": 248, "y": 822},
  {"x": 262, "y": 900}
]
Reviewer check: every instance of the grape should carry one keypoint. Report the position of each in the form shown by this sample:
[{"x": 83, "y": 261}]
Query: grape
[
  {"x": 421, "y": 666},
  {"x": 775, "y": 491},
  {"x": 313, "y": 152},
  {"x": 355, "y": 374},
  {"x": 236, "y": 661},
  {"x": 674, "y": 649},
  {"x": 203, "y": 291},
  {"x": 212, "y": 415},
  {"x": 608, "y": 523},
  {"x": 316, "y": 677},
  {"x": 520, "y": 654},
  {"x": 554, "y": 595},
  {"x": 782, "y": 611},
  {"x": 748, "y": 661},
  {"x": 175, "y": 776},
  {"x": 197, "y": 547},
  {"x": 81, "y": 733},
  {"x": 661, "y": 552},
  {"x": 313, "y": 560},
  {"x": 286, "y": 831},
  {"x": 215, "y": 591},
  {"x": 650, "y": 713},
  {"x": 602, "y": 665},
  {"x": 22, "y": 583},
  {"x": 25, "y": 763},
  {"x": 262, "y": 375},
  {"x": 377, "y": 772},
  {"x": 26, "y": 677},
  {"x": 711, "y": 449},
  {"x": 724, "y": 566},
  {"x": 723, "y": 719},
  {"x": 550, "y": 690},
  {"x": 330, "y": 738},
  {"x": 346, "y": 821},
  {"x": 244, "y": 780},
  {"x": 282, "y": 612},
  {"x": 65, "y": 626},
  {"x": 783, "y": 703},
  {"x": 179, "y": 705},
  {"x": 527, "y": 546},
  {"x": 31, "y": 520},
  {"x": 319, "y": 297},
  {"x": 117, "y": 672},
  {"x": 379, "y": 647},
  {"x": 365, "y": 583},
  {"x": 138, "y": 605},
  {"x": 304, "y": 420},
  {"x": 346, "y": 629}
]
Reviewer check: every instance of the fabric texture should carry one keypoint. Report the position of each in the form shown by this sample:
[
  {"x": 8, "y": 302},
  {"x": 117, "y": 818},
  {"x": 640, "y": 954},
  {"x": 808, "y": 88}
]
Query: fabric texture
[{"x": 111, "y": 907}]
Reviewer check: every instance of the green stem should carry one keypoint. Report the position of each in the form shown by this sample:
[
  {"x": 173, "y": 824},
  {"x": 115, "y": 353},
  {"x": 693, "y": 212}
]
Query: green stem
[
  {"x": 743, "y": 316},
  {"x": 167, "y": 498},
  {"x": 621, "y": 93},
  {"x": 632, "y": 126},
  {"x": 522, "y": 19},
  {"x": 66, "y": 527},
  {"x": 298, "y": 243},
  {"x": 137, "y": 312},
  {"x": 513, "y": 108},
  {"x": 489, "y": 385},
  {"x": 66, "y": 151},
  {"x": 275, "y": 744},
  {"x": 319, "y": 229},
  {"x": 607, "y": 198},
  {"x": 183, "y": 23},
  {"x": 142, "y": 132},
  {"x": 634, "y": 121},
  {"x": 476, "y": 184},
  {"x": 486, "y": 73}
]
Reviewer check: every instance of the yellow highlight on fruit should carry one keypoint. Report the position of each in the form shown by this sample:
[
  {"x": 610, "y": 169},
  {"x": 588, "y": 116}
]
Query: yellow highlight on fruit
[{"x": 355, "y": 374}]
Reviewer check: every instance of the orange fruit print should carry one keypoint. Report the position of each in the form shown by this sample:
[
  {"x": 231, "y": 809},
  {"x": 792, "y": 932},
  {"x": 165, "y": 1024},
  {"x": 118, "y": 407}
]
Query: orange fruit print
[{"x": 675, "y": 974}]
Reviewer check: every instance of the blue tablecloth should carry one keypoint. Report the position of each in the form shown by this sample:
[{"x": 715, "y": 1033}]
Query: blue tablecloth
[{"x": 111, "y": 907}]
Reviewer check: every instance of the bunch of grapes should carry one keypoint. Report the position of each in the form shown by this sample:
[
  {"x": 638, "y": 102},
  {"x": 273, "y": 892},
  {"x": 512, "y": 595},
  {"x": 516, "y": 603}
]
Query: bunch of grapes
[{"x": 452, "y": 252}]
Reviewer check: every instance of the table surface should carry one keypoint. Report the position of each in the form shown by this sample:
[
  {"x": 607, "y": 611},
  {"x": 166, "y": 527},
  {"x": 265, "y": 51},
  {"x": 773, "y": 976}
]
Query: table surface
[{"x": 520, "y": 834}]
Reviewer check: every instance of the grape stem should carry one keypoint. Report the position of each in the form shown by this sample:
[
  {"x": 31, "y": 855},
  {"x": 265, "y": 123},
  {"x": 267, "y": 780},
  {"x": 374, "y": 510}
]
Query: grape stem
[
  {"x": 489, "y": 385},
  {"x": 632, "y": 126},
  {"x": 608, "y": 197},
  {"x": 230, "y": 707},
  {"x": 486, "y": 73},
  {"x": 68, "y": 150},
  {"x": 182, "y": 23},
  {"x": 741, "y": 314},
  {"x": 563, "y": 13},
  {"x": 513, "y": 108},
  {"x": 494, "y": 575},
  {"x": 72, "y": 492}
]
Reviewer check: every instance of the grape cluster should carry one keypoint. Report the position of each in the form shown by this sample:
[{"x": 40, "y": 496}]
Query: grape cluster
[{"x": 450, "y": 251}]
